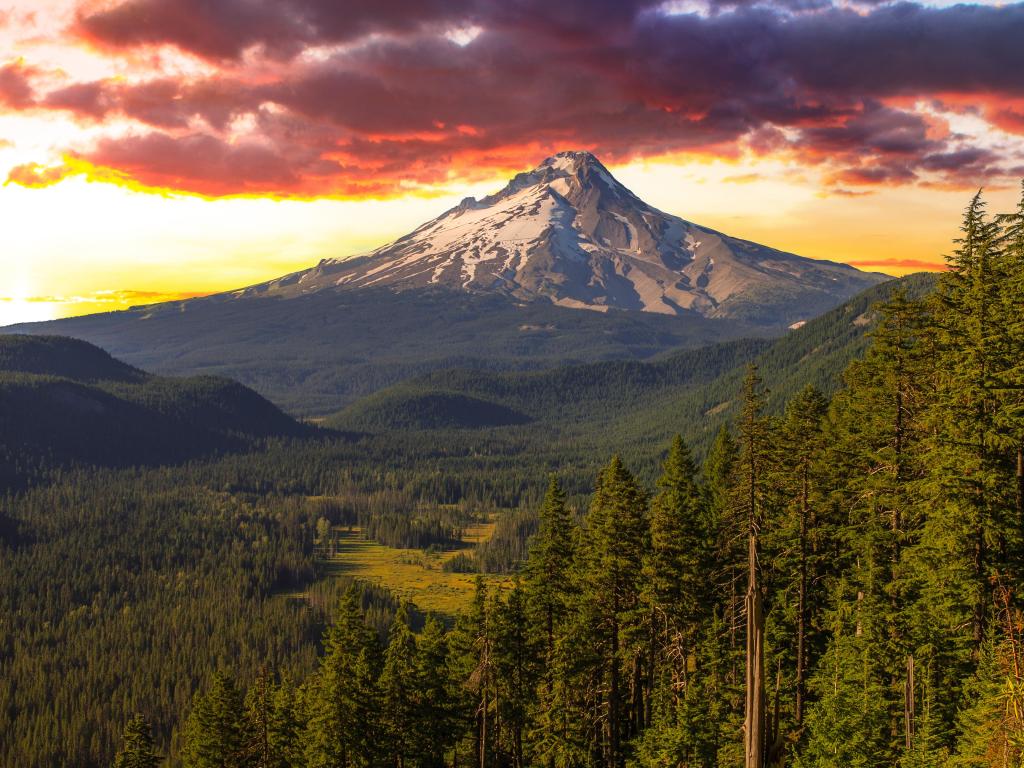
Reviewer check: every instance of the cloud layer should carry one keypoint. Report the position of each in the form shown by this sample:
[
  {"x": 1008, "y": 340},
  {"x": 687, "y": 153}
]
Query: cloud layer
[{"x": 319, "y": 97}]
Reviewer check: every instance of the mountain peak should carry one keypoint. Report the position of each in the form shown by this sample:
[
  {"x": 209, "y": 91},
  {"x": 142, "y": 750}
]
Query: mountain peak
[
  {"x": 571, "y": 161},
  {"x": 568, "y": 232},
  {"x": 568, "y": 173}
]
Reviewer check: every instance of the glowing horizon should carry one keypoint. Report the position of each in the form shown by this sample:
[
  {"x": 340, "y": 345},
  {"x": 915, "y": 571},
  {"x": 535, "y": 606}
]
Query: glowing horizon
[{"x": 157, "y": 149}]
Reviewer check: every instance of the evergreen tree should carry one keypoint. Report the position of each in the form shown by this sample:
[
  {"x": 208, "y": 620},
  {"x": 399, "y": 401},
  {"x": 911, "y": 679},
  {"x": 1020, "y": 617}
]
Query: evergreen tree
[
  {"x": 216, "y": 733},
  {"x": 548, "y": 569},
  {"x": 675, "y": 567},
  {"x": 676, "y": 577},
  {"x": 398, "y": 694},
  {"x": 471, "y": 662},
  {"x": 615, "y": 539},
  {"x": 750, "y": 502},
  {"x": 284, "y": 728},
  {"x": 341, "y": 727},
  {"x": 137, "y": 750},
  {"x": 435, "y": 714},
  {"x": 516, "y": 672},
  {"x": 729, "y": 529},
  {"x": 794, "y": 544},
  {"x": 548, "y": 596},
  {"x": 848, "y": 724}
]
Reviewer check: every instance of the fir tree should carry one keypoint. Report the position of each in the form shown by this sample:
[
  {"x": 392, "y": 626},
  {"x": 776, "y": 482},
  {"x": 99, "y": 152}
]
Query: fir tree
[
  {"x": 676, "y": 576},
  {"x": 137, "y": 750},
  {"x": 284, "y": 727},
  {"x": 398, "y": 694},
  {"x": 549, "y": 567},
  {"x": 615, "y": 539},
  {"x": 341, "y": 725},
  {"x": 435, "y": 714},
  {"x": 515, "y": 670},
  {"x": 848, "y": 724},
  {"x": 216, "y": 733},
  {"x": 750, "y": 502}
]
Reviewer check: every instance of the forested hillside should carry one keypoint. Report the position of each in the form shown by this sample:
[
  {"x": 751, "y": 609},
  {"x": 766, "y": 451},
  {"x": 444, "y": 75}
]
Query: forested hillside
[
  {"x": 64, "y": 401},
  {"x": 632, "y": 406},
  {"x": 839, "y": 585},
  {"x": 853, "y": 540},
  {"x": 313, "y": 354}
]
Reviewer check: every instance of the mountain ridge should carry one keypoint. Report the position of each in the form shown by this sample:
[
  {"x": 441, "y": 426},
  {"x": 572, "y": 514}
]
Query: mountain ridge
[{"x": 567, "y": 231}]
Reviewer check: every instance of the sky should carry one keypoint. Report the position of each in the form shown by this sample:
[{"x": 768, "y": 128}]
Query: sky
[{"x": 159, "y": 149}]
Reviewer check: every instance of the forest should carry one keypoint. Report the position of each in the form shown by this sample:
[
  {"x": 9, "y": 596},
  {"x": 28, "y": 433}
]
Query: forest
[{"x": 834, "y": 581}]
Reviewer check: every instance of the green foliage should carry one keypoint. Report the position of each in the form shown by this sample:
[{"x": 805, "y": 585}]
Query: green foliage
[
  {"x": 883, "y": 519},
  {"x": 137, "y": 750},
  {"x": 216, "y": 732}
]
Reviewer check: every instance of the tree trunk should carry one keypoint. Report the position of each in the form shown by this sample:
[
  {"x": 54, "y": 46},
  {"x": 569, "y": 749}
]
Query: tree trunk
[
  {"x": 1020, "y": 485},
  {"x": 753, "y": 726},
  {"x": 483, "y": 731},
  {"x": 909, "y": 704},
  {"x": 801, "y": 626},
  {"x": 613, "y": 701}
]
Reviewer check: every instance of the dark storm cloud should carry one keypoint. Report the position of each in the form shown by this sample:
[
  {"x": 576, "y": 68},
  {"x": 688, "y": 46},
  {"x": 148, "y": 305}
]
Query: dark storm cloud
[
  {"x": 224, "y": 29},
  {"x": 622, "y": 77}
]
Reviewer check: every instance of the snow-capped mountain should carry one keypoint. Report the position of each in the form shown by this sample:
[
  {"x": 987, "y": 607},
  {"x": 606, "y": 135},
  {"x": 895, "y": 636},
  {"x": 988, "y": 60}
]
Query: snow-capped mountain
[{"x": 568, "y": 232}]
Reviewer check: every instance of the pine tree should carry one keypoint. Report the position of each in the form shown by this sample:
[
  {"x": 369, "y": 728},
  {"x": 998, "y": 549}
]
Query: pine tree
[
  {"x": 471, "y": 663},
  {"x": 615, "y": 539},
  {"x": 435, "y": 714},
  {"x": 749, "y": 500},
  {"x": 284, "y": 727},
  {"x": 676, "y": 576},
  {"x": 548, "y": 595},
  {"x": 796, "y": 559},
  {"x": 137, "y": 750},
  {"x": 729, "y": 530},
  {"x": 1007, "y": 376},
  {"x": 216, "y": 734},
  {"x": 675, "y": 568},
  {"x": 516, "y": 671},
  {"x": 258, "y": 709},
  {"x": 549, "y": 566},
  {"x": 341, "y": 724},
  {"x": 848, "y": 724},
  {"x": 963, "y": 538},
  {"x": 398, "y": 694},
  {"x": 877, "y": 429}
]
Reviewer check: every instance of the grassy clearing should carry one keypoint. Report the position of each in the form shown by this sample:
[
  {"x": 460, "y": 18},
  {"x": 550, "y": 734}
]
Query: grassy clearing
[{"x": 411, "y": 574}]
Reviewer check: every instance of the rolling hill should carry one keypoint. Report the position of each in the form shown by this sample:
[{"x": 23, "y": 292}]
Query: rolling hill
[{"x": 63, "y": 401}]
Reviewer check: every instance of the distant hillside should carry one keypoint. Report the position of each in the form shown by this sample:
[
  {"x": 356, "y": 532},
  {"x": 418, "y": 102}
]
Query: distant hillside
[
  {"x": 61, "y": 356},
  {"x": 398, "y": 408},
  {"x": 576, "y": 393},
  {"x": 315, "y": 354},
  {"x": 65, "y": 401},
  {"x": 635, "y": 406}
]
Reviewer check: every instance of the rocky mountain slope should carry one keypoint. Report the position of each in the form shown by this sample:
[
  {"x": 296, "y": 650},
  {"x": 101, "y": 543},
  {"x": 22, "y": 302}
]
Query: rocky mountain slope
[{"x": 567, "y": 231}]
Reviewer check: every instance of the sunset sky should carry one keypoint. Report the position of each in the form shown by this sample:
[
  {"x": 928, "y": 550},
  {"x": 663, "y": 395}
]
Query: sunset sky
[{"x": 154, "y": 149}]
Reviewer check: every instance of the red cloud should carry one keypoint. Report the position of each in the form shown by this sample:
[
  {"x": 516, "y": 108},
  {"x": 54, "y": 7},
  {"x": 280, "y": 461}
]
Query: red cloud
[
  {"x": 389, "y": 98},
  {"x": 16, "y": 90}
]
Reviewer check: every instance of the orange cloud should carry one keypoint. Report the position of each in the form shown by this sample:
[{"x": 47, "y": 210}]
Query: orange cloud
[
  {"x": 901, "y": 264},
  {"x": 100, "y": 301},
  {"x": 34, "y": 175}
]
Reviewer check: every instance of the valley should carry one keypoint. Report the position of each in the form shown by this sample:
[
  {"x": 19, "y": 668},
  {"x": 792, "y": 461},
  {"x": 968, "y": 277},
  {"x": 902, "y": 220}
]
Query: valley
[{"x": 549, "y": 534}]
